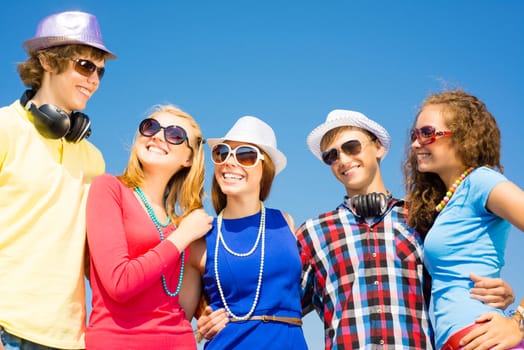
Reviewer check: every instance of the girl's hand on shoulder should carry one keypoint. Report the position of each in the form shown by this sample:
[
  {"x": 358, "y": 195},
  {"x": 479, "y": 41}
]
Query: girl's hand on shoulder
[{"x": 196, "y": 224}]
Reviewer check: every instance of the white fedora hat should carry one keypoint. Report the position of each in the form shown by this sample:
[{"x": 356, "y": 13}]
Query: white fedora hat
[
  {"x": 341, "y": 117},
  {"x": 255, "y": 131}
]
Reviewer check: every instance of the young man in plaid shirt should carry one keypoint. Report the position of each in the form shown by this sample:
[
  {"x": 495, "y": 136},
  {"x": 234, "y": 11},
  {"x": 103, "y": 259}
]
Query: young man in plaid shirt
[{"x": 362, "y": 264}]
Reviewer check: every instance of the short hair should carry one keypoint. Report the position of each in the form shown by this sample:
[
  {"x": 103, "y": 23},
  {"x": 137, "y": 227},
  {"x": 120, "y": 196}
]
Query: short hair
[
  {"x": 32, "y": 72},
  {"x": 332, "y": 134}
]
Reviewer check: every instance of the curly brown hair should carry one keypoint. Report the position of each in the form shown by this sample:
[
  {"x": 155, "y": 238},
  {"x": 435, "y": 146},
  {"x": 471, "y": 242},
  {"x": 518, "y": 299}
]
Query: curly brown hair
[
  {"x": 31, "y": 71},
  {"x": 476, "y": 138}
]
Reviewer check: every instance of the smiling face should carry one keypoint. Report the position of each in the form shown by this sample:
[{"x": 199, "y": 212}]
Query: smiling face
[
  {"x": 69, "y": 89},
  {"x": 440, "y": 156},
  {"x": 157, "y": 155},
  {"x": 359, "y": 173},
  {"x": 236, "y": 180}
]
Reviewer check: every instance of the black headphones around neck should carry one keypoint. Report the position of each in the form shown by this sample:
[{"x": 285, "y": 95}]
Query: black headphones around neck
[
  {"x": 54, "y": 123},
  {"x": 368, "y": 205}
]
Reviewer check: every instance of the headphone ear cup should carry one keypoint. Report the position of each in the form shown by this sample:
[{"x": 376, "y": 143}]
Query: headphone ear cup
[
  {"x": 383, "y": 202},
  {"x": 356, "y": 202},
  {"x": 53, "y": 123},
  {"x": 368, "y": 206},
  {"x": 50, "y": 120},
  {"x": 80, "y": 127},
  {"x": 375, "y": 204}
]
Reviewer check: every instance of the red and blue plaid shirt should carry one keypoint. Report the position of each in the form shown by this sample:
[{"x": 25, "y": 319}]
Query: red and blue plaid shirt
[{"x": 365, "y": 279}]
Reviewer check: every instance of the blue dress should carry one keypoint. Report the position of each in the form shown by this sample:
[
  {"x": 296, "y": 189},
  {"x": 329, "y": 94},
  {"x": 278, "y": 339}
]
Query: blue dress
[{"x": 280, "y": 287}]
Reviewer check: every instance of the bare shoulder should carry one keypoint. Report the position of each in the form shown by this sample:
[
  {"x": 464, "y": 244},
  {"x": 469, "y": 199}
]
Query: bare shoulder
[
  {"x": 197, "y": 252},
  {"x": 290, "y": 221}
]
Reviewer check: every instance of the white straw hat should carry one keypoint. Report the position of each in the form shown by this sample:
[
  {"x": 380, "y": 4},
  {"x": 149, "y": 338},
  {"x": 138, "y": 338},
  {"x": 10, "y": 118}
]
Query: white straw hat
[
  {"x": 341, "y": 117},
  {"x": 255, "y": 131}
]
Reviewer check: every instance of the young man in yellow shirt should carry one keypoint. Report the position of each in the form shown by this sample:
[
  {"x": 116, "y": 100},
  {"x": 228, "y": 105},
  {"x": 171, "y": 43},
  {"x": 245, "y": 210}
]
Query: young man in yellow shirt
[{"x": 46, "y": 165}]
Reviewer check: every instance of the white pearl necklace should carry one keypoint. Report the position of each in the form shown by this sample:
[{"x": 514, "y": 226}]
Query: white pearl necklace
[{"x": 220, "y": 239}]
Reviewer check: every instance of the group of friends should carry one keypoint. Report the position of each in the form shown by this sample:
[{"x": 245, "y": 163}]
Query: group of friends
[{"x": 155, "y": 259}]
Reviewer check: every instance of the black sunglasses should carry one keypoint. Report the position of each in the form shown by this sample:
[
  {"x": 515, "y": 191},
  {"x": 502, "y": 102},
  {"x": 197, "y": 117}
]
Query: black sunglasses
[
  {"x": 427, "y": 135},
  {"x": 87, "y": 68},
  {"x": 246, "y": 156},
  {"x": 173, "y": 134},
  {"x": 351, "y": 147}
]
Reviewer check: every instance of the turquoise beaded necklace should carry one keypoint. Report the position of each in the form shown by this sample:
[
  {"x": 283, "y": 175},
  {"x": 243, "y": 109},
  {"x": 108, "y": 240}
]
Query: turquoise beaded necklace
[{"x": 158, "y": 226}]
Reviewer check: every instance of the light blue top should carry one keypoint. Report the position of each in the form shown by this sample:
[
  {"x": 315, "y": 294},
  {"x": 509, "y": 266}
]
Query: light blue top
[{"x": 465, "y": 238}]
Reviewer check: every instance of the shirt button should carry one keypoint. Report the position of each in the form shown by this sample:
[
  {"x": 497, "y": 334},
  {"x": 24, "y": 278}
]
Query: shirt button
[
  {"x": 376, "y": 283},
  {"x": 379, "y": 310},
  {"x": 381, "y": 342},
  {"x": 374, "y": 255}
]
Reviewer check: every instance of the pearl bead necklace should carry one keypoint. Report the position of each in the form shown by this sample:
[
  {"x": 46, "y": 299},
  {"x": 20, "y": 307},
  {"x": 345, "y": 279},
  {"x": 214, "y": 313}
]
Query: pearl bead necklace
[
  {"x": 220, "y": 239},
  {"x": 158, "y": 226},
  {"x": 452, "y": 190}
]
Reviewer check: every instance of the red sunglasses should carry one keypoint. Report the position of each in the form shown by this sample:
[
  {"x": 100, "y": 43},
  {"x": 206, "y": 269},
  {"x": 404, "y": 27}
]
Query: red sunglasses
[{"x": 427, "y": 135}]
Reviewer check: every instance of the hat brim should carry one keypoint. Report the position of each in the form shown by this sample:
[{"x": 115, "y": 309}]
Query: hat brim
[
  {"x": 46, "y": 42},
  {"x": 315, "y": 137},
  {"x": 278, "y": 158}
]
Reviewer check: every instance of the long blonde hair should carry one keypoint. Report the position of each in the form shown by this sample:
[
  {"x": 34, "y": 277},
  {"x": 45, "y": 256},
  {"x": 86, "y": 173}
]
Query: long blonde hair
[{"x": 185, "y": 190}]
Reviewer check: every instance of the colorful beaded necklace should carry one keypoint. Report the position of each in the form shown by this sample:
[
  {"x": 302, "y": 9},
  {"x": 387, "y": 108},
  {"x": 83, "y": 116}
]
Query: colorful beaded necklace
[
  {"x": 159, "y": 226},
  {"x": 452, "y": 190}
]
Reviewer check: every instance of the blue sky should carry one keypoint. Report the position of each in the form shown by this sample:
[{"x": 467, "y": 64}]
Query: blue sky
[{"x": 290, "y": 63}]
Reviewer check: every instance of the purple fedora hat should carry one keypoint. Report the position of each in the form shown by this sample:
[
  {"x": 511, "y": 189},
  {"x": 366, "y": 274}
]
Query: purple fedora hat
[{"x": 66, "y": 28}]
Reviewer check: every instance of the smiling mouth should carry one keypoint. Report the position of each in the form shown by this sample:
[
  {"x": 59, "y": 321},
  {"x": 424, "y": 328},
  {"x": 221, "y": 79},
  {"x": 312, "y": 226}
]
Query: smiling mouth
[
  {"x": 156, "y": 150},
  {"x": 350, "y": 169},
  {"x": 85, "y": 91},
  {"x": 229, "y": 176}
]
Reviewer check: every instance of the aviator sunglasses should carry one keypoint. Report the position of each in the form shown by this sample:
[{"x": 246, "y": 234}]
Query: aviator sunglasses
[
  {"x": 173, "y": 134},
  {"x": 427, "y": 135},
  {"x": 351, "y": 148},
  {"x": 86, "y": 68},
  {"x": 245, "y": 155}
]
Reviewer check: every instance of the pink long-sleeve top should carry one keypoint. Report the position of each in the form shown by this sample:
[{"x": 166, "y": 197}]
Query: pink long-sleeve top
[{"x": 130, "y": 309}]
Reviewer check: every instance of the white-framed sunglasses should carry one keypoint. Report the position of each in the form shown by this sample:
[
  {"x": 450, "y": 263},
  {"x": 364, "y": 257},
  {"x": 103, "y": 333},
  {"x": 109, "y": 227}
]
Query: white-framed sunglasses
[{"x": 246, "y": 156}]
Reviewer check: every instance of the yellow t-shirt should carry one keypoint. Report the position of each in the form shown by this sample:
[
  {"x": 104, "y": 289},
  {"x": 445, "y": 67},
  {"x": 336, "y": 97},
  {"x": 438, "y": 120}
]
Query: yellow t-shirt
[{"x": 43, "y": 188}]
